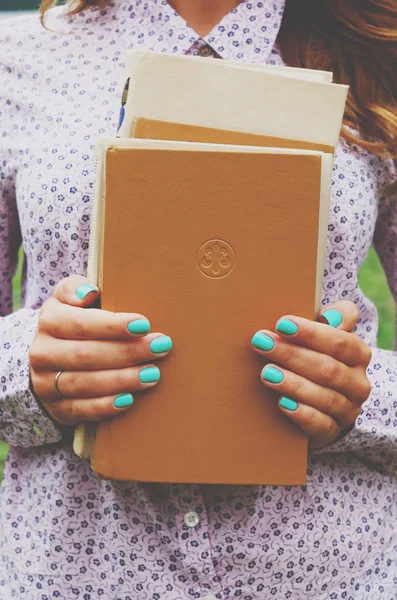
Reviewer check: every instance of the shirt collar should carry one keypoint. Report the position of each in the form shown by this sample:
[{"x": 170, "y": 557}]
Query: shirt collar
[{"x": 248, "y": 33}]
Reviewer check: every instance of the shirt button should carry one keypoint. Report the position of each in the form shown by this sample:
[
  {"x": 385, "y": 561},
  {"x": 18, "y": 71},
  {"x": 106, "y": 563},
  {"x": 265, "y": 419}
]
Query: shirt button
[
  {"x": 38, "y": 431},
  {"x": 205, "y": 50},
  {"x": 191, "y": 519}
]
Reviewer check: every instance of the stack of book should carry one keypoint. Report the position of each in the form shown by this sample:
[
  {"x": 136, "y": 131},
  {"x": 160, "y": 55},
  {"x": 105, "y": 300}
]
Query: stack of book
[{"x": 210, "y": 218}]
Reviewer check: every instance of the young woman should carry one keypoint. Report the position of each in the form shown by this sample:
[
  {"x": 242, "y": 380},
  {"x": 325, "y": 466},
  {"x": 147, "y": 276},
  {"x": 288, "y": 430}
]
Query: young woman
[{"x": 66, "y": 534}]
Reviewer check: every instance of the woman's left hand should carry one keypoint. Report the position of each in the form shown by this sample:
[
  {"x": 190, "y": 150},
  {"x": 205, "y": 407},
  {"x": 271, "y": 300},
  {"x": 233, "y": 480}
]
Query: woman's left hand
[{"x": 319, "y": 371}]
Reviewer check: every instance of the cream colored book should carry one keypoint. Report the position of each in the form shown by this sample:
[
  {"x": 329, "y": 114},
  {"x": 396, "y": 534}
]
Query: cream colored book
[{"x": 292, "y": 104}]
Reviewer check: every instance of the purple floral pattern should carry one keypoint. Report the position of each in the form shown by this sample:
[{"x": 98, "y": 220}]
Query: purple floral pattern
[{"x": 64, "y": 533}]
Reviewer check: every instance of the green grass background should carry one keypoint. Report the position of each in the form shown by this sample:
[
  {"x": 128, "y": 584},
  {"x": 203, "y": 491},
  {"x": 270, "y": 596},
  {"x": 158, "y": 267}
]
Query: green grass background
[{"x": 372, "y": 281}]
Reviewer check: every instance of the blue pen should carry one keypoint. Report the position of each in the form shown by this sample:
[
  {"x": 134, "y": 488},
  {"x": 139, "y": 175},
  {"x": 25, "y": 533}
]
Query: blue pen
[{"x": 123, "y": 103}]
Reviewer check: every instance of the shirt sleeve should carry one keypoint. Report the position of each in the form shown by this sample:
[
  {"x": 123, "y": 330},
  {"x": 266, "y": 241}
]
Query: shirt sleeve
[
  {"x": 23, "y": 422},
  {"x": 374, "y": 435}
]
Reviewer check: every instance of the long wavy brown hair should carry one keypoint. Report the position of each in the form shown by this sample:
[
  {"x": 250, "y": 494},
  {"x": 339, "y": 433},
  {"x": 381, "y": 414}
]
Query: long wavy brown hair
[{"x": 357, "y": 41}]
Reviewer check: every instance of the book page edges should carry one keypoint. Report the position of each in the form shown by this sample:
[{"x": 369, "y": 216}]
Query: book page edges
[
  {"x": 84, "y": 433},
  {"x": 325, "y": 199}
]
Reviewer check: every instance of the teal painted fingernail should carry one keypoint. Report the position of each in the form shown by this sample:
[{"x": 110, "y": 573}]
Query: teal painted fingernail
[
  {"x": 84, "y": 289},
  {"x": 161, "y": 344},
  {"x": 286, "y": 326},
  {"x": 273, "y": 375},
  {"x": 123, "y": 401},
  {"x": 139, "y": 326},
  {"x": 149, "y": 375},
  {"x": 333, "y": 316},
  {"x": 262, "y": 341},
  {"x": 288, "y": 403}
]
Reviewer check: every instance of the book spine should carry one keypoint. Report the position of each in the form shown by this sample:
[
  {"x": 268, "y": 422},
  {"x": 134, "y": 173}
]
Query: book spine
[
  {"x": 132, "y": 74},
  {"x": 100, "y": 449}
]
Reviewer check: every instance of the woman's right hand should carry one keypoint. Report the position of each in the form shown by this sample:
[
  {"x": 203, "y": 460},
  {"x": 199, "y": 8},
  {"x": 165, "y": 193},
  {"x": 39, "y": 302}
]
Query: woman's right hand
[{"x": 101, "y": 357}]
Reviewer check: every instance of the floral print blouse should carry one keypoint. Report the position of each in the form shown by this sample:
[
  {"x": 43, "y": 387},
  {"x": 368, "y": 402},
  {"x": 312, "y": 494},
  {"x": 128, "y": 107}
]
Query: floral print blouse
[{"x": 63, "y": 532}]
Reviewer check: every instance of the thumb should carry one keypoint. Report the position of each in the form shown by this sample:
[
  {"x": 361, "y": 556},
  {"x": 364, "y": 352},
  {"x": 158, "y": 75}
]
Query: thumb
[
  {"x": 76, "y": 291},
  {"x": 341, "y": 315}
]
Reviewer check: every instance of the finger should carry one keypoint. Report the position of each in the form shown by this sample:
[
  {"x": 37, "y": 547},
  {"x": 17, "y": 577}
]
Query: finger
[
  {"x": 87, "y": 355},
  {"x": 314, "y": 366},
  {"x": 343, "y": 314},
  {"x": 321, "y": 429},
  {"x": 74, "y": 323},
  {"x": 325, "y": 400},
  {"x": 71, "y": 412},
  {"x": 76, "y": 291},
  {"x": 343, "y": 346},
  {"x": 94, "y": 384}
]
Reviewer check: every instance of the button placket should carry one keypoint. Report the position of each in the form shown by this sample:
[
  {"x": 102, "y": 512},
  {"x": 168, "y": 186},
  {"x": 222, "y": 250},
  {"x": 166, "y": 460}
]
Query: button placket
[{"x": 192, "y": 524}]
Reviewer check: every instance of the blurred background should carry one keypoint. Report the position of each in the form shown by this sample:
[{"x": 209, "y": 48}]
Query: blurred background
[
  {"x": 17, "y": 5},
  {"x": 372, "y": 279}
]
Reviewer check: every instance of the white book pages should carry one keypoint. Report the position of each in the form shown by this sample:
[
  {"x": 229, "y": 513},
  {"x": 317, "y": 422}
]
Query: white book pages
[{"x": 215, "y": 93}]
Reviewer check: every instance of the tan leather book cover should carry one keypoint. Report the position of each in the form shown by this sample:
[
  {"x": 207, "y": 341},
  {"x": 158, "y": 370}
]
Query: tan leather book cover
[
  {"x": 210, "y": 246},
  {"x": 152, "y": 129}
]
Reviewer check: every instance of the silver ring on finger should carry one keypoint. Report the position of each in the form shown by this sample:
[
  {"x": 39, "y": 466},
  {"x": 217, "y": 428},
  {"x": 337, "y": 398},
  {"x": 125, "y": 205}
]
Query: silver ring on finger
[{"x": 56, "y": 383}]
